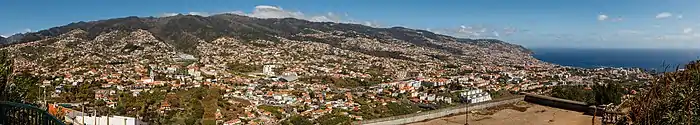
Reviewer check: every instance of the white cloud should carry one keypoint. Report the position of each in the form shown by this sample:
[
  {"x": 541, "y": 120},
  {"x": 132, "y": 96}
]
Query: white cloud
[
  {"x": 680, "y": 37},
  {"x": 26, "y": 30},
  {"x": 680, "y": 17},
  {"x": 602, "y": 17},
  {"x": 3, "y": 36},
  {"x": 476, "y": 31},
  {"x": 687, "y": 30},
  {"x": 663, "y": 15},
  {"x": 625, "y": 31},
  {"x": 370, "y": 23},
  {"x": 267, "y": 11},
  {"x": 189, "y": 13},
  {"x": 168, "y": 14},
  {"x": 199, "y": 13},
  {"x": 237, "y": 12},
  {"x": 509, "y": 30}
]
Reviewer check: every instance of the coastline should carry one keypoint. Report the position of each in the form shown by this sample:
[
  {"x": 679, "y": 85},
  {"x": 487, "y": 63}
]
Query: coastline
[{"x": 657, "y": 60}]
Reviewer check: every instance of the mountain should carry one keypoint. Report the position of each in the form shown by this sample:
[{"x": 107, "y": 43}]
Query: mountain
[
  {"x": 172, "y": 30},
  {"x": 227, "y": 38},
  {"x": 11, "y": 39}
]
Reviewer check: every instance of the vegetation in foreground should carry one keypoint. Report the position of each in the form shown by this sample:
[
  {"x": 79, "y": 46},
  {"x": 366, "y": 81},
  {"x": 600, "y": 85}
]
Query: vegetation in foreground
[
  {"x": 595, "y": 94},
  {"x": 673, "y": 100},
  {"x": 17, "y": 87}
]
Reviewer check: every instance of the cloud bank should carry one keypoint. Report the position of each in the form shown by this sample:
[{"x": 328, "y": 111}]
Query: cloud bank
[{"x": 477, "y": 31}]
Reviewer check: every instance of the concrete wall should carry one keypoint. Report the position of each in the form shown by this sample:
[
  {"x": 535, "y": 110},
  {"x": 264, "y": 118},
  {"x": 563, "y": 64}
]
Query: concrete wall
[
  {"x": 567, "y": 104},
  {"x": 416, "y": 117},
  {"x": 557, "y": 102}
]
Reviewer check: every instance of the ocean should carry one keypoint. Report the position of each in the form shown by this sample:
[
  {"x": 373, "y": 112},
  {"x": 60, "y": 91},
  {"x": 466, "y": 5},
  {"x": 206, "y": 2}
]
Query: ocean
[{"x": 649, "y": 59}]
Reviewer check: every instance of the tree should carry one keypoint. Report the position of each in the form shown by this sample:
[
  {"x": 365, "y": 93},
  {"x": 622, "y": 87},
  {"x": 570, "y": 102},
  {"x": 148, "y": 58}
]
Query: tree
[
  {"x": 606, "y": 94},
  {"x": 298, "y": 120},
  {"x": 576, "y": 93},
  {"x": 5, "y": 75},
  {"x": 334, "y": 119},
  {"x": 598, "y": 95},
  {"x": 19, "y": 88}
]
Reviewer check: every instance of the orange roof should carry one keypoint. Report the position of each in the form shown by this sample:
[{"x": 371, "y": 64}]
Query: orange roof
[{"x": 165, "y": 104}]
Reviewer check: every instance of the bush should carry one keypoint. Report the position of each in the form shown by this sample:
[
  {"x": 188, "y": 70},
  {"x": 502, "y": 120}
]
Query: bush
[
  {"x": 297, "y": 120},
  {"x": 673, "y": 100},
  {"x": 334, "y": 119},
  {"x": 272, "y": 109},
  {"x": 17, "y": 88},
  {"x": 597, "y": 95}
]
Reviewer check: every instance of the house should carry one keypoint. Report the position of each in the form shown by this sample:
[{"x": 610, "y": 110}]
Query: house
[
  {"x": 233, "y": 122},
  {"x": 431, "y": 97},
  {"x": 104, "y": 120},
  {"x": 218, "y": 114},
  {"x": 164, "y": 106},
  {"x": 268, "y": 70}
]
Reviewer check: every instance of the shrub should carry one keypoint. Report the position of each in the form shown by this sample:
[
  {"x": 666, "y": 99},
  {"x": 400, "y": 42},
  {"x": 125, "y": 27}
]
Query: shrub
[{"x": 673, "y": 100}]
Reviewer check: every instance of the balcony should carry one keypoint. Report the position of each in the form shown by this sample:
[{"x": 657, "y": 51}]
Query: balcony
[{"x": 12, "y": 113}]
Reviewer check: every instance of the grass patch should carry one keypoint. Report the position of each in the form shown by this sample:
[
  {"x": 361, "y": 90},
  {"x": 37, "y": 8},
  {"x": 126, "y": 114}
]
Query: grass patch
[{"x": 274, "y": 110}]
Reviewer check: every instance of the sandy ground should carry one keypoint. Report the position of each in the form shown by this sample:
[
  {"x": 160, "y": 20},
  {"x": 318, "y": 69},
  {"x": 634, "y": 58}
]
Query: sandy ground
[{"x": 519, "y": 114}]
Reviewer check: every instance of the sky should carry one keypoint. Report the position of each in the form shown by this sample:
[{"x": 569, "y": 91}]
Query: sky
[{"x": 662, "y": 24}]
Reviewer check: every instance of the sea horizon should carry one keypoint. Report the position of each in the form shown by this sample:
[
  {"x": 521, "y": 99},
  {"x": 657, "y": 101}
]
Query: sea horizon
[{"x": 657, "y": 59}]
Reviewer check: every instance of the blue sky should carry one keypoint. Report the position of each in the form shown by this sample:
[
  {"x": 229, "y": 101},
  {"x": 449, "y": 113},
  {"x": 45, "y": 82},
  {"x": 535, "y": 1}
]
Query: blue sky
[{"x": 532, "y": 23}]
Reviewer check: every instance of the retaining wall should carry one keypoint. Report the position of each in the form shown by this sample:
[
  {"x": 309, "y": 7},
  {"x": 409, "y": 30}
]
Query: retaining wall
[{"x": 557, "y": 102}]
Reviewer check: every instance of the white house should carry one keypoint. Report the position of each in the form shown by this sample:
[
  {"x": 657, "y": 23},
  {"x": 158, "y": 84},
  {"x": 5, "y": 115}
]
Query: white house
[{"x": 104, "y": 120}]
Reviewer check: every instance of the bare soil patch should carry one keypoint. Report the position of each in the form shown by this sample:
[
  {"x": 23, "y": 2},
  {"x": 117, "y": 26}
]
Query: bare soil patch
[{"x": 520, "y": 113}]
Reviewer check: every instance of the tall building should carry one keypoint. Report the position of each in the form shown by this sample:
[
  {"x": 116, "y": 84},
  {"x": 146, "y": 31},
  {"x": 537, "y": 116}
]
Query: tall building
[
  {"x": 268, "y": 70},
  {"x": 151, "y": 74},
  {"x": 476, "y": 95},
  {"x": 401, "y": 75}
]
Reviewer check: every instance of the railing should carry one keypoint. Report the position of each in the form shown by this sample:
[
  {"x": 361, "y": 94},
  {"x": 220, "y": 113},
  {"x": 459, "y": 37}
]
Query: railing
[
  {"x": 611, "y": 116},
  {"x": 12, "y": 113}
]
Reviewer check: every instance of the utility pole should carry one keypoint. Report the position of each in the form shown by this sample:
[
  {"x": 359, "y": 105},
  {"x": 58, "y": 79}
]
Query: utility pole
[
  {"x": 82, "y": 112},
  {"x": 108, "y": 116},
  {"x": 595, "y": 111}
]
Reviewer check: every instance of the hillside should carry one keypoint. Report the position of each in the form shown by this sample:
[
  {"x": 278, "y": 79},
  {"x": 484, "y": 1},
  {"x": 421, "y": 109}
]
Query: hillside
[
  {"x": 171, "y": 30},
  {"x": 227, "y": 38}
]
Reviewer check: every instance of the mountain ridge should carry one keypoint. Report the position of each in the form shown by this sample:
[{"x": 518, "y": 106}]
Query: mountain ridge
[{"x": 170, "y": 29}]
